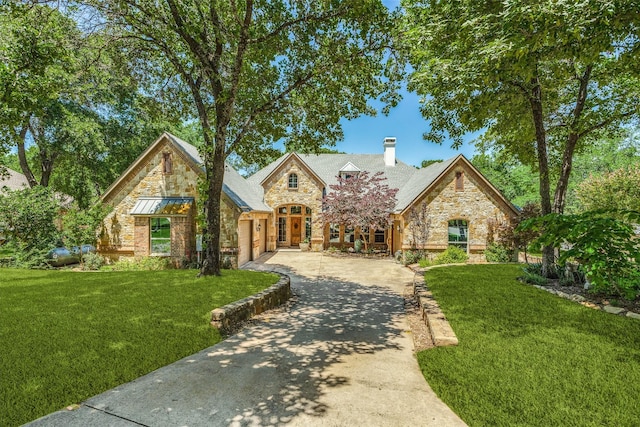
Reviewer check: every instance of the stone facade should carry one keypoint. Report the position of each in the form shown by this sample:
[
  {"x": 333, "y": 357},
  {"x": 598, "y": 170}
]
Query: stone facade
[
  {"x": 123, "y": 234},
  {"x": 126, "y": 235},
  {"x": 307, "y": 194},
  {"x": 287, "y": 213},
  {"x": 474, "y": 203}
]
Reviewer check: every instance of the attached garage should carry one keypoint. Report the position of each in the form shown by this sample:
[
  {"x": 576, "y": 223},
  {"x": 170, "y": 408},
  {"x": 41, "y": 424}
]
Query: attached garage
[{"x": 244, "y": 242}]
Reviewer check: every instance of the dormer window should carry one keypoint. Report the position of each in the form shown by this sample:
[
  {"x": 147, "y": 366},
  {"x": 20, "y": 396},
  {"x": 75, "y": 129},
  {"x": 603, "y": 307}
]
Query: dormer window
[
  {"x": 349, "y": 171},
  {"x": 293, "y": 181}
]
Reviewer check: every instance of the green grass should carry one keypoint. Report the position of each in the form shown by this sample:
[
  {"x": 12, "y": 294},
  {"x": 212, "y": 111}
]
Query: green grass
[
  {"x": 529, "y": 358},
  {"x": 66, "y": 336}
]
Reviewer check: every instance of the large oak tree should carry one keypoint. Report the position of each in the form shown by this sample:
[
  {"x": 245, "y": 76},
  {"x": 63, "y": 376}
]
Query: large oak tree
[
  {"x": 70, "y": 108},
  {"x": 544, "y": 79},
  {"x": 258, "y": 71}
]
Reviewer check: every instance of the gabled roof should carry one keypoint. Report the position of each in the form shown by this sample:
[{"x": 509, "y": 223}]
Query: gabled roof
[
  {"x": 246, "y": 196},
  {"x": 327, "y": 167},
  {"x": 350, "y": 167},
  {"x": 426, "y": 179},
  {"x": 412, "y": 183},
  {"x": 14, "y": 180},
  {"x": 264, "y": 174}
]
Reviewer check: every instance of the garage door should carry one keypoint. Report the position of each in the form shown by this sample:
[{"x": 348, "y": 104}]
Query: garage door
[{"x": 244, "y": 242}]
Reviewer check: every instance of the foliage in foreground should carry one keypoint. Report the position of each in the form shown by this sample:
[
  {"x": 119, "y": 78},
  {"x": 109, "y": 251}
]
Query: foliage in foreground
[
  {"x": 603, "y": 242},
  {"x": 619, "y": 189},
  {"x": 28, "y": 219},
  {"x": 527, "y": 357},
  {"x": 66, "y": 336}
]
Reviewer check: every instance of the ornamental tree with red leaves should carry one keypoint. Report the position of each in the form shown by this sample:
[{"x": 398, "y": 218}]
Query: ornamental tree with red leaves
[{"x": 360, "y": 201}]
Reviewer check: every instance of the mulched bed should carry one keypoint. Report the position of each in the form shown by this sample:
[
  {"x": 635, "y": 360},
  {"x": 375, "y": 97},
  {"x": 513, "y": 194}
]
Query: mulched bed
[{"x": 599, "y": 299}]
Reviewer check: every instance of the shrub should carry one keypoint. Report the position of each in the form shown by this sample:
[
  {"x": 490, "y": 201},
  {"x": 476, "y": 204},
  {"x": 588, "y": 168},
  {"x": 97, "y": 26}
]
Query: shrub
[
  {"x": 92, "y": 261},
  {"x": 411, "y": 257},
  {"x": 425, "y": 263},
  {"x": 533, "y": 274},
  {"x": 498, "y": 253},
  {"x": 604, "y": 243},
  {"x": 452, "y": 255},
  {"x": 28, "y": 219}
]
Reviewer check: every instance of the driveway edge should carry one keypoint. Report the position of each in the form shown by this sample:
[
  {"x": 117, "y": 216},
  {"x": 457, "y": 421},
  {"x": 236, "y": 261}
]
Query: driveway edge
[
  {"x": 228, "y": 317},
  {"x": 441, "y": 331}
]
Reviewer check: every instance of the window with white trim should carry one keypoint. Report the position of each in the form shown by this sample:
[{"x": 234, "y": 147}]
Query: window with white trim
[
  {"x": 293, "y": 181},
  {"x": 459, "y": 234},
  {"x": 160, "y": 236}
]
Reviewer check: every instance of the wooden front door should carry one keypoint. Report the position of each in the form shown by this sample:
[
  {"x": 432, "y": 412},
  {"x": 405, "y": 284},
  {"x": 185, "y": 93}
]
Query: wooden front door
[{"x": 296, "y": 229}]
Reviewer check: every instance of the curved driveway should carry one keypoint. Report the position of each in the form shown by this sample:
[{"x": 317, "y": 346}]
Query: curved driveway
[{"x": 339, "y": 355}]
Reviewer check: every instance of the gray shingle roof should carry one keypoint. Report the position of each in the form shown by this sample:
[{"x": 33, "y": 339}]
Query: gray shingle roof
[
  {"x": 248, "y": 193},
  {"x": 419, "y": 181},
  {"x": 409, "y": 180},
  {"x": 247, "y": 196}
]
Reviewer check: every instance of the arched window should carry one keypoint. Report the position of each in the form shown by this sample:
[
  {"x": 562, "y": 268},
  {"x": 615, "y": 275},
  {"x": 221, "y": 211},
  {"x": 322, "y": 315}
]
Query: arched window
[
  {"x": 293, "y": 181},
  {"x": 459, "y": 233}
]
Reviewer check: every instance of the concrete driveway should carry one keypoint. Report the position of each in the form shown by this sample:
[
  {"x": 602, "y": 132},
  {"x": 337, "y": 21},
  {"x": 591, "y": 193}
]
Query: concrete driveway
[{"x": 339, "y": 355}]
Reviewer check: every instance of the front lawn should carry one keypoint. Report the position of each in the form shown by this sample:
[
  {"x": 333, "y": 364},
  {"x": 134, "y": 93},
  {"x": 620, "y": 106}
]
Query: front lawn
[
  {"x": 530, "y": 358},
  {"x": 66, "y": 336}
]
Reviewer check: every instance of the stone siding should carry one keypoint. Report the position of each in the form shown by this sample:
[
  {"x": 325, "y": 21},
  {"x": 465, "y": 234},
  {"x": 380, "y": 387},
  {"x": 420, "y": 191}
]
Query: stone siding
[
  {"x": 308, "y": 193},
  {"x": 473, "y": 204},
  {"x": 121, "y": 232}
]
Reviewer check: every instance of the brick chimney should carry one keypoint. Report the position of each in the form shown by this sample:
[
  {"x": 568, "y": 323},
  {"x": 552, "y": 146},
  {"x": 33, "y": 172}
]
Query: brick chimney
[{"x": 389, "y": 151}]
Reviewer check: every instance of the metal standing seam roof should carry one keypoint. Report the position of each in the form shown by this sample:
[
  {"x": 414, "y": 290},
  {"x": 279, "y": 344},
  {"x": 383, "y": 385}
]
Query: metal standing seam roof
[{"x": 170, "y": 206}]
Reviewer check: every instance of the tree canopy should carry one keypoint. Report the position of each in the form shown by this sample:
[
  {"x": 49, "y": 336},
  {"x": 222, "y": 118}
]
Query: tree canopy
[
  {"x": 71, "y": 111},
  {"x": 544, "y": 79}
]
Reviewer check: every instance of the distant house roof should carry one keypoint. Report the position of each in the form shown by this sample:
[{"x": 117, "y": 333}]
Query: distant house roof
[{"x": 14, "y": 180}]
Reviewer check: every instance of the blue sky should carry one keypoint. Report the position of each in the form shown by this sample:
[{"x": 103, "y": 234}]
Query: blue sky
[{"x": 365, "y": 135}]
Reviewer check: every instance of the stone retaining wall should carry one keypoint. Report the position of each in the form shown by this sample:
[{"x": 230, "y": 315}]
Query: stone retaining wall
[
  {"x": 227, "y": 318},
  {"x": 441, "y": 332}
]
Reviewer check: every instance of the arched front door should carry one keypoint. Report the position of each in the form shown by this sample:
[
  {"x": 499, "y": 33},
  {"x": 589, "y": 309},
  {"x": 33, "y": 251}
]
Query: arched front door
[{"x": 294, "y": 224}]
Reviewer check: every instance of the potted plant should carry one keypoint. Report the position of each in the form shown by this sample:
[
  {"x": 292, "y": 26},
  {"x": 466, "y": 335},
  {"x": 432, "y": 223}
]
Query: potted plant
[{"x": 304, "y": 245}]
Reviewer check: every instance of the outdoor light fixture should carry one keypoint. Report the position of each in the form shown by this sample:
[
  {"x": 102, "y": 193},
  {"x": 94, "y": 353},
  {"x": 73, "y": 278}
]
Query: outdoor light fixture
[{"x": 258, "y": 227}]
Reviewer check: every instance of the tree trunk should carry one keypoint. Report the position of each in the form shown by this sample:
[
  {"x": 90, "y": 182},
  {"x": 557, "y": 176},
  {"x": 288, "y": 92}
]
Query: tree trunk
[
  {"x": 572, "y": 141},
  {"x": 548, "y": 255},
  {"x": 565, "y": 172},
  {"x": 22, "y": 156},
  {"x": 214, "y": 164}
]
